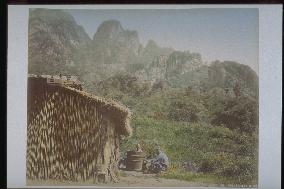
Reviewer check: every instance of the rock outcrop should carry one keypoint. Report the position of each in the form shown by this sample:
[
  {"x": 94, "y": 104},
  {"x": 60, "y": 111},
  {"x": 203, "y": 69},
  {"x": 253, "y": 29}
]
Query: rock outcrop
[
  {"x": 57, "y": 44},
  {"x": 54, "y": 39},
  {"x": 112, "y": 44}
]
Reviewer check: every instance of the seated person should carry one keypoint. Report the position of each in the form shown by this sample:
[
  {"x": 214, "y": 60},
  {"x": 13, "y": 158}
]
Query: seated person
[
  {"x": 138, "y": 148},
  {"x": 158, "y": 164}
]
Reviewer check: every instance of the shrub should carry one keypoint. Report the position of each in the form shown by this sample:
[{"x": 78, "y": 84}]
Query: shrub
[
  {"x": 241, "y": 169},
  {"x": 184, "y": 111},
  {"x": 240, "y": 114}
]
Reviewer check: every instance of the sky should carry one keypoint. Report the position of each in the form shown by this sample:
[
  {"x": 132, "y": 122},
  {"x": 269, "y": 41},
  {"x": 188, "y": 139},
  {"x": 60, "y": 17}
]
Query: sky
[{"x": 215, "y": 33}]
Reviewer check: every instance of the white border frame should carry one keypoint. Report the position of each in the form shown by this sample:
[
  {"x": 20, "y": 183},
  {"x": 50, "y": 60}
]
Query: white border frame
[{"x": 270, "y": 80}]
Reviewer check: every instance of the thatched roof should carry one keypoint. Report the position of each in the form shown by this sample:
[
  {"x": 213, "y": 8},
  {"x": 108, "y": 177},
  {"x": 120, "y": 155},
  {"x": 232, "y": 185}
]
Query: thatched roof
[{"x": 117, "y": 112}]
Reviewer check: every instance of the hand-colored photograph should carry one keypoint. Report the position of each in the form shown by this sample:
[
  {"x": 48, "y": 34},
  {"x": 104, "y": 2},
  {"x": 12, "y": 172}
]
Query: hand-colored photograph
[{"x": 143, "y": 97}]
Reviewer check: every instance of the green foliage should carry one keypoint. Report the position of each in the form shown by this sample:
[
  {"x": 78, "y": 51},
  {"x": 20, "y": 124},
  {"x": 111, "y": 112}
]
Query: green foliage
[
  {"x": 243, "y": 169},
  {"x": 222, "y": 149},
  {"x": 239, "y": 113},
  {"x": 225, "y": 74},
  {"x": 175, "y": 173},
  {"x": 123, "y": 84},
  {"x": 220, "y": 152},
  {"x": 184, "y": 111}
]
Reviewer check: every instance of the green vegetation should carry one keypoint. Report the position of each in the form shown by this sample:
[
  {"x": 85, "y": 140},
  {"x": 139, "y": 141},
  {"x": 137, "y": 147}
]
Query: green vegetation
[
  {"x": 206, "y": 115},
  {"x": 215, "y": 131}
]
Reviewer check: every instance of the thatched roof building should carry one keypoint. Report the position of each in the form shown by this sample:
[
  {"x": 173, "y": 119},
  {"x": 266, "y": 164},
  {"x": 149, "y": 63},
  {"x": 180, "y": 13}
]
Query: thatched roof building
[{"x": 73, "y": 135}]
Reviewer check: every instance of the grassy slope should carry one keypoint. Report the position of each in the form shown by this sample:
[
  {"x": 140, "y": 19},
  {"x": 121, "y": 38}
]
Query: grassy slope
[{"x": 228, "y": 154}]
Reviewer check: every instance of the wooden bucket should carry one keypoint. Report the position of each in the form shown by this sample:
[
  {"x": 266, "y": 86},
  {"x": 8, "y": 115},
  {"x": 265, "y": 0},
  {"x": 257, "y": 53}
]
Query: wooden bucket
[{"x": 134, "y": 160}]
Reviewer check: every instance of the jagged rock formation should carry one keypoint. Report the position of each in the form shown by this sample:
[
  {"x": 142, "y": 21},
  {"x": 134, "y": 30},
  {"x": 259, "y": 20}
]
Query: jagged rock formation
[
  {"x": 114, "y": 45},
  {"x": 226, "y": 74},
  {"x": 152, "y": 51},
  {"x": 54, "y": 39},
  {"x": 58, "y": 44},
  {"x": 157, "y": 70},
  {"x": 223, "y": 75},
  {"x": 177, "y": 63},
  {"x": 182, "y": 62}
]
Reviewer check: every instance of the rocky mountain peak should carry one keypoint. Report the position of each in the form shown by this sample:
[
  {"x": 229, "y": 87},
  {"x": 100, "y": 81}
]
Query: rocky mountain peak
[
  {"x": 109, "y": 29},
  {"x": 58, "y": 44},
  {"x": 151, "y": 44},
  {"x": 115, "y": 45},
  {"x": 51, "y": 15},
  {"x": 54, "y": 38}
]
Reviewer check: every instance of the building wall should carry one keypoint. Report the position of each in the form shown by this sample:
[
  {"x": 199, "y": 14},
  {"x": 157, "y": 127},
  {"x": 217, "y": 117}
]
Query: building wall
[{"x": 69, "y": 136}]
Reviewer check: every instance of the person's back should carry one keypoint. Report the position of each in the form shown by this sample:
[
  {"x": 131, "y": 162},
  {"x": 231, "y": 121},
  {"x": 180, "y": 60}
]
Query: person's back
[
  {"x": 162, "y": 158},
  {"x": 160, "y": 162}
]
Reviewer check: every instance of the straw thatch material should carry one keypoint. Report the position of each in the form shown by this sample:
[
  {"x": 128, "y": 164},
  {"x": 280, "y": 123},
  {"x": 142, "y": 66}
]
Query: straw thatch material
[
  {"x": 119, "y": 112},
  {"x": 72, "y": 135}
]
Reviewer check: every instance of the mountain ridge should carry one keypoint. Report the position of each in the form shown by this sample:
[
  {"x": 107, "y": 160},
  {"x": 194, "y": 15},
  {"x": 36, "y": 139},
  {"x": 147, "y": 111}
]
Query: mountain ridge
[{"x": 58, "y": 44}]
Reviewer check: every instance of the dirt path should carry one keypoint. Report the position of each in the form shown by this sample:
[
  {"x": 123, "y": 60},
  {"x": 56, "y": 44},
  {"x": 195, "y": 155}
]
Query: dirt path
[
  {"x": 138, "y": 179},
  {"x": 127, "y": 179}
]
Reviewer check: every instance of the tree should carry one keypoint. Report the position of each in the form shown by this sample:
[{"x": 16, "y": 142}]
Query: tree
[{"x": 241, "y": 114}]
